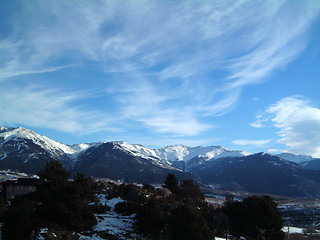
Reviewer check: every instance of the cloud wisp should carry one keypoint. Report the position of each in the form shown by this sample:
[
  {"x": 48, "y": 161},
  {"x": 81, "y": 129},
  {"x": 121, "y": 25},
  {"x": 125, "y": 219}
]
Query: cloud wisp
[
  {"x": 51, "y": 109},
  {"x": 181, "y": 63},
  {"x": 255, "y": 143}
]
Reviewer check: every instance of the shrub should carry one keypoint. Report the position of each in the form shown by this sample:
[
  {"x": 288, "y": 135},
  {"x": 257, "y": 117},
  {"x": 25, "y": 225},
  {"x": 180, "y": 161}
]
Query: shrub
[
  {"x": 127, "y": 208},
  {"x": 19, "y": 222}
]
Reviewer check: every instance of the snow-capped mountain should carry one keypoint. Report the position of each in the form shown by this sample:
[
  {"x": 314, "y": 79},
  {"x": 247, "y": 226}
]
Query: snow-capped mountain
[
  {"x": 170, "y": 155},
  {"x": 28, "y": 151},
  {"x": 185, "y": 158},
  {"x": 24, "y": 150},
  {"x": 179, "y": 156},
  {"x": 183, "y": 153},
  {"x": 120, "y": 160},
  {"x": 294, "y": 175},
  {"x": 21, "y": 135}
]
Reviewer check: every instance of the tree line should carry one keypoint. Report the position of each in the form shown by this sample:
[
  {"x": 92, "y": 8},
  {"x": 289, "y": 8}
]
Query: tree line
[{"x": 179, "y": 213}]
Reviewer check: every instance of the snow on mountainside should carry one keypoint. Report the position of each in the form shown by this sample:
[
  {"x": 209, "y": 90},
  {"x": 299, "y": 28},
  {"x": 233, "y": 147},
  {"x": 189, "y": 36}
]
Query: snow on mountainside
[
  {"x": 179, "y": 156},
  {"x": 296, "y": 157},
  {"x": 184, "y": 153},
  {"x": 55, "y": 148},
  {"x": 137, "y": 150},
  {"x": 143, "y": 152},
  {"x": 82, "y": 147},
  {"x": 19, "y": 134},
  {"x": 161, "y": 156},
  {"x": 174, "y": 153}
]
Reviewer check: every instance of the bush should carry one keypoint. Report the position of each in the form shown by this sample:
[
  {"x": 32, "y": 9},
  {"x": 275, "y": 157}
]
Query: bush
[
  {"x": 126, "y": 208},
  {"x": 99, "y": 208}
]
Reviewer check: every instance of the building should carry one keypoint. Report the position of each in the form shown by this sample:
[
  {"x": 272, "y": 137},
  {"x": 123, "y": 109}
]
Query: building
[{"x": 22, "y": 186}]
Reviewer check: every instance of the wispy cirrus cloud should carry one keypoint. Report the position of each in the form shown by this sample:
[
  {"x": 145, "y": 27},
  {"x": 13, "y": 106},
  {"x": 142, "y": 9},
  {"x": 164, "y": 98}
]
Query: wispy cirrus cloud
[
  {"x": 179, "y": 62},
  {"x": 51, "y": 109},
  {"x": 299, "y": 124},
  {"x": 256, "y": 143}
]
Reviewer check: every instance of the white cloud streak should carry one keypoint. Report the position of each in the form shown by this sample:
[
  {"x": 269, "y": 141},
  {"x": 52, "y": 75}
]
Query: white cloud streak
[
  {"x": 256, "y": 143},
  {"x": 260, "y": 120},
  {"x": 166, "y": 53},
  {"x": 50, "y": 109}
]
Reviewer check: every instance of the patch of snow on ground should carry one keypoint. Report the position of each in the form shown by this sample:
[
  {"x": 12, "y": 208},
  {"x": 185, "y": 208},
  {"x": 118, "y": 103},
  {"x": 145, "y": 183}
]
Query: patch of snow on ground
[
  {"x": 113, "y": 223},
  {"x": 292, "y": 230}
]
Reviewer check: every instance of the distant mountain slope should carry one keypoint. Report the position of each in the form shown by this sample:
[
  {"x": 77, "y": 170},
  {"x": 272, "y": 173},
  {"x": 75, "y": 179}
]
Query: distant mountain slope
[
  {"x": 261, "y": 173},
  {"x": 113, "y": 161},
  {"x": 297, "y": 158},
  {"x": 312, "y": 164},
  {"x": 305, "y": 161}
]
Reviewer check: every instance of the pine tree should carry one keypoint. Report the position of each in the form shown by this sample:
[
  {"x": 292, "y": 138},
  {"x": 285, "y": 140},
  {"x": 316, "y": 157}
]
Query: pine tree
[
  {"x": 172, "y": 183},
  {"x": 255, "y": 217}
]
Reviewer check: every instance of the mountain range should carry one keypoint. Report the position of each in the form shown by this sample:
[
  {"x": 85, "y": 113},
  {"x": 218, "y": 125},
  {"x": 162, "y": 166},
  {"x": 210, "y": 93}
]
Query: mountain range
[{"x": 283, "y": 174}]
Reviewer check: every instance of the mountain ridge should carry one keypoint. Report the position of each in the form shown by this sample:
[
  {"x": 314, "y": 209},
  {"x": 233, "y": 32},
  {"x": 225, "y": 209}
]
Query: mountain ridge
[
  {"x": 170, "y": 153},
  {"x": 24, "y": 150}
]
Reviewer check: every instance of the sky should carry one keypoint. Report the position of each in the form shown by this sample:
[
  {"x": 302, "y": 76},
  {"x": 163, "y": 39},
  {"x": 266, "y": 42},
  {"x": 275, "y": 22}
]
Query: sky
[{"x": 239, "y": 74}]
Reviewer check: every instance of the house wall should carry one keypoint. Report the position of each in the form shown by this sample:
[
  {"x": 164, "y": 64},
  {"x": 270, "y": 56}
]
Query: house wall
[{"x": 16, "y": 190}]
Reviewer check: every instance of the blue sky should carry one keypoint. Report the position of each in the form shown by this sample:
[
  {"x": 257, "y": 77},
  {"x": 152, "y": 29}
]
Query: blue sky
[{"x": 240, "y": 74}]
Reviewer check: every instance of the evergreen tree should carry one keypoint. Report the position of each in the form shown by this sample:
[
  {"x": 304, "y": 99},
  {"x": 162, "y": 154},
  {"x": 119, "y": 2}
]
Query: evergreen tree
[
  {"x": 54, "y": 172},
  {"x": 187, "y": 223},
  {"x": 172, "y": 183},
  {"x": 256, "y": 218},
  {"x": 191, "y": 192},
  {"x": 151, "y": 218}
]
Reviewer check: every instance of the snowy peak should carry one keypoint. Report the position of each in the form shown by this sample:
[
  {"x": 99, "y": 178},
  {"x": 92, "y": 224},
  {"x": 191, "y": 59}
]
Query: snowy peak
[
  {"x": 136, "y": 149},
  {"x": 183, "y": 153},
  {"x": 141, "y": 151},
  {"x": 80, "y": 148},
  {"x": 173, "y": 153},
  {"x": 19, "y": 134},
  {"x": 5, "y": 129}
]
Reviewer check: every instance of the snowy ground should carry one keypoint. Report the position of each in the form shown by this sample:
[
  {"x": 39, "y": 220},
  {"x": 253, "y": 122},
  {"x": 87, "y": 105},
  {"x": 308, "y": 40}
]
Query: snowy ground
[
  {"x": 292, "y": 230},
  {"x": 113, "y": 223}
]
